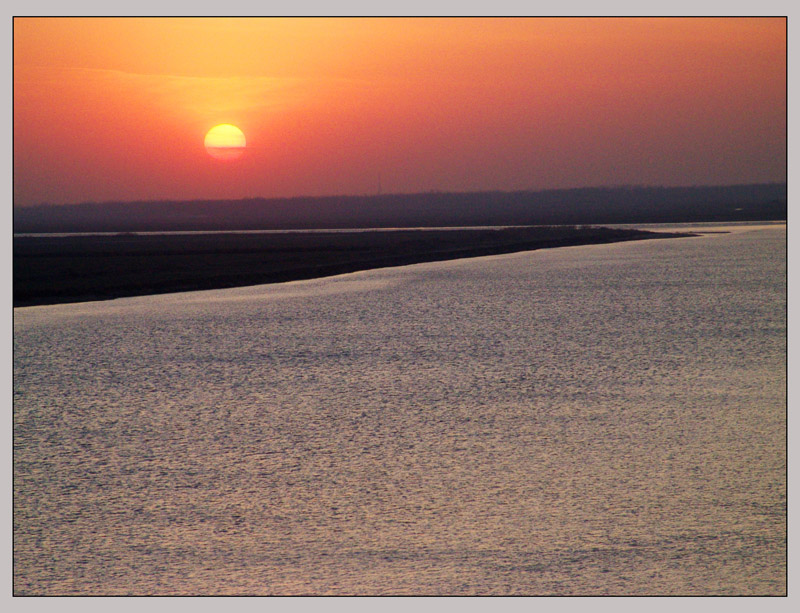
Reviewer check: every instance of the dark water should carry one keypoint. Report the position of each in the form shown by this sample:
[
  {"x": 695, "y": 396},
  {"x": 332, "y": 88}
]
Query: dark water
[{"x": 590, "y": 420}]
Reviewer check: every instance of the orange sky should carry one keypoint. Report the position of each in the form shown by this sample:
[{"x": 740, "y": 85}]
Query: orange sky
[{"x": 117, "y": 109}]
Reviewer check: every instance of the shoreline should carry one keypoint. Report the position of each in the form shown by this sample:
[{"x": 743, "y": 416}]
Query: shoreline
[{"x": 68, "y": 269}]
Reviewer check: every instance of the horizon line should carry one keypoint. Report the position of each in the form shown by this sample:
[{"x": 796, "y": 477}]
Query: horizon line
[{"x": 623, "y": 186}]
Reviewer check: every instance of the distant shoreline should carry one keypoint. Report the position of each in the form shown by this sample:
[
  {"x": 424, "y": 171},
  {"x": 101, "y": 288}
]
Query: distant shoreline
[
  {"x": 598, "y": 206},
  {"x": 65, "y": 269}
]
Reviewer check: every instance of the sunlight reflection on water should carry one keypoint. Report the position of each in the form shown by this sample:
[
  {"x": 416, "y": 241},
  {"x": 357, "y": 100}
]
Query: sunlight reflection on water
[{"x": 589, "y": 420}]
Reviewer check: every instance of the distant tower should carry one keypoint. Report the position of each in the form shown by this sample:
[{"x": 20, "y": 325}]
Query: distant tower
[{"x": 379, "y": 184}]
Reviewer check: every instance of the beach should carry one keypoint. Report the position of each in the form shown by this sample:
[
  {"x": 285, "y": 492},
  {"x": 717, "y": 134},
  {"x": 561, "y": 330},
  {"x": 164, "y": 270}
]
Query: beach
[{"x": 53, "y": 269}]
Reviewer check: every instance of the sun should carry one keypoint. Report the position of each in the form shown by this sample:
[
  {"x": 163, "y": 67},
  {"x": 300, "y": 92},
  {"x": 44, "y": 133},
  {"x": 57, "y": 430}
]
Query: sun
[{"x": 225, "y": 142}]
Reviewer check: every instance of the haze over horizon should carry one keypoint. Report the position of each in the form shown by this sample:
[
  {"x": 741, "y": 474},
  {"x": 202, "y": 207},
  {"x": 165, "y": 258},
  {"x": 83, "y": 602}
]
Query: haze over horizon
[
  {"x": 116, "y": 110},
  {"x": 384, "y": 194}
]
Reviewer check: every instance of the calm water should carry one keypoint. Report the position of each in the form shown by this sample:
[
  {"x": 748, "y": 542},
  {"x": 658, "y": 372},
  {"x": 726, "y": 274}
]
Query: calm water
[{"x": 590, "y": 420}]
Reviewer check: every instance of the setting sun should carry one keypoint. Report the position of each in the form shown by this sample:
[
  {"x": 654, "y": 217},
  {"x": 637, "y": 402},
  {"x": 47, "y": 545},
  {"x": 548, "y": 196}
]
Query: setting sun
[{"x": 225, "y": 142}]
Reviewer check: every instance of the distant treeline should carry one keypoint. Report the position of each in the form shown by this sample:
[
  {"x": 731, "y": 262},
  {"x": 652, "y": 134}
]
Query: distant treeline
[{"x": 550, "y": 207}]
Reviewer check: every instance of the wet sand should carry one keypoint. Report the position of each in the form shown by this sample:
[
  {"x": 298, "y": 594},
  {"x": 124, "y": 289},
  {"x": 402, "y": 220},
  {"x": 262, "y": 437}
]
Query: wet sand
[{"x": 53, "y": 270}]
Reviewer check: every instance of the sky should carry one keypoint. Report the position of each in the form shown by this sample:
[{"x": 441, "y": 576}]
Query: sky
[{"x": 117, "y": 109}]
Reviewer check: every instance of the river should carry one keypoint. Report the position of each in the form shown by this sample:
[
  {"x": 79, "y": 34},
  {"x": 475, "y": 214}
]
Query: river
[{"x": 590, "y": 420}]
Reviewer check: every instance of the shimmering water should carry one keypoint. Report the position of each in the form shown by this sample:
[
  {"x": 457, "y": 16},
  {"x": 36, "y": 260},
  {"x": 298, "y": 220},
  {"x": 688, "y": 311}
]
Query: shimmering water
[{"x": 591, "y": 420}]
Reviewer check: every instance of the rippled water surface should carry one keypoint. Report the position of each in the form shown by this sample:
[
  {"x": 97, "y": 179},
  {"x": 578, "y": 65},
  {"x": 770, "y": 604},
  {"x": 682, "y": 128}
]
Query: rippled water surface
[{"x": 590, "y": 420}]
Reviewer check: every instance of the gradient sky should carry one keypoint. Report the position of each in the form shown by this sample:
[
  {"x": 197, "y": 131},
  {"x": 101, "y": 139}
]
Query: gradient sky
[{"x": 117, "y": 109}]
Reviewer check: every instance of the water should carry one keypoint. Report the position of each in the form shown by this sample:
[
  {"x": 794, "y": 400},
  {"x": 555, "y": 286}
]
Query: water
[
  {"x": 651, "y": 226},
  {"x": 592, "y": 420}
]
